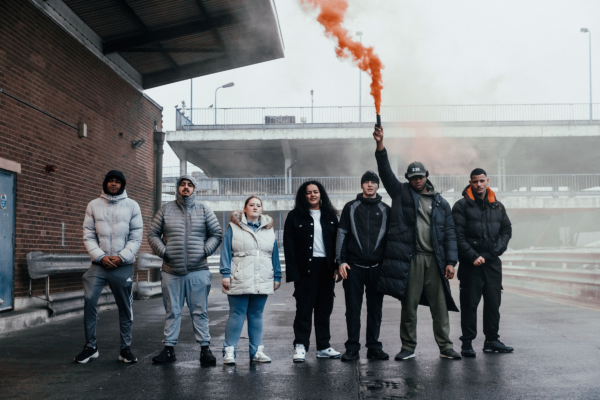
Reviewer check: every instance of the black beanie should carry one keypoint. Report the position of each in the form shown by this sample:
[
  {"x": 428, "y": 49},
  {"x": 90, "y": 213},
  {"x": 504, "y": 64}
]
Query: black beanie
[
  {"x": 114, "y": 174},
  {"x": 369, "y": 176}
]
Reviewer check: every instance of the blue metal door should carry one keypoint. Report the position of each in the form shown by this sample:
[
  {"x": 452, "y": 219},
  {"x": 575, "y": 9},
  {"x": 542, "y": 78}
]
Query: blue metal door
[{"x": 7, "y": 238}]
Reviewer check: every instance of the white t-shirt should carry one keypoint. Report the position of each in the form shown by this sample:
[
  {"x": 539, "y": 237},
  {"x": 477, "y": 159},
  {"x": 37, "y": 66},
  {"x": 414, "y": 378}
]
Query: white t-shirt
[{"x": 318, "y": 243}]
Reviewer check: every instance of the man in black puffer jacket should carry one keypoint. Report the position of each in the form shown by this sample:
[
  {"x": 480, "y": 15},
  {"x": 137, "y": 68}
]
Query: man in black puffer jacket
[
  {"x": 359, "y": 251},
  {"x": 483, "y": 231},
  {"x": 421, "y": 253}
]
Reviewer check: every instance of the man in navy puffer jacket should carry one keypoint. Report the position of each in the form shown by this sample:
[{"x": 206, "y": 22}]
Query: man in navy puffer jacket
[{"x": 184, "y": 234}]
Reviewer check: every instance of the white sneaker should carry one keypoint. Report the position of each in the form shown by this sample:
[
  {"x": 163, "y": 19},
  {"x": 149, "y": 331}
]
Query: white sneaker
[
  {"x": 328, "y": 353},
  {"x": 299, "y": 353},
  {"x": 229, "y": 356},
  {"x": 260, "y": 356}
]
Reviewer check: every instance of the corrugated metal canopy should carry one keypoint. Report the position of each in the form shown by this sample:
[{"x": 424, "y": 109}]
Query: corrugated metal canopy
[{"x": 172, "y": 40}]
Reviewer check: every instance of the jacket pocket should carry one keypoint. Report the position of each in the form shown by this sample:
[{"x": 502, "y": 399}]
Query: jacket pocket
[{"x": 475, "y": 244}]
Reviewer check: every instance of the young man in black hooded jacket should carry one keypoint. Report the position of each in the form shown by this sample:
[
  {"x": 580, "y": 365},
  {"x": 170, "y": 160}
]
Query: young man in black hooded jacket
[
  {"x": 483, "y": 231},
  {"x": 359, "y": 251}
]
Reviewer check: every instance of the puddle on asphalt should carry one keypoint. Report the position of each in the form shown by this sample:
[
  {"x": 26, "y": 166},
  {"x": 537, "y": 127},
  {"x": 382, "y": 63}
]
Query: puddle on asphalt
[
  {"x": 394, "y": 388},
  {"x": 188, "y": 364}
]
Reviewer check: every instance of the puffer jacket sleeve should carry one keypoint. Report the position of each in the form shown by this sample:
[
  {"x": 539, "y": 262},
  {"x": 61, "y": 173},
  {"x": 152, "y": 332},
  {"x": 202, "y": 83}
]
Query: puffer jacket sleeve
[
  {"x": 136, "y": 233},
  {"x": 90, "y": 238},
  {"x": 214, "y": 233},
  {"x": 390, "y": 182},
  {"x": 450, "y": 242},
  {"x": 155, "y": 234},
  {"x": 505, "y": 231},
  {"x": 467, "y": 252}
]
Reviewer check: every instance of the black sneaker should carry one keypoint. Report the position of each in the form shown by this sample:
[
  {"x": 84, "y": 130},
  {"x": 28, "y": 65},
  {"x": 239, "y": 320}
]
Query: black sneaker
[
  {"x": 350, "y": 355},
  {"x": 206, "y": 357},
  {"x": 126, "y": 356},
  {"x": 404, "y": 355},
  {"x": 496, "y": 347},
  {"x": 166, "y": 356},
  {"x": 467, "y": 350},
  {"x": 377, "y": 354},
  {"x": 450, "y": 354},
  {"x": 87, "y": 354}
]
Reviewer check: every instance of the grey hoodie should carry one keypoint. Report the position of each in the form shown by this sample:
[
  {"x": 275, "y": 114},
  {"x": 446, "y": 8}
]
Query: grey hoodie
[
  {"x": 424, "y": 243},
  {"x": 184, "y": 233}
]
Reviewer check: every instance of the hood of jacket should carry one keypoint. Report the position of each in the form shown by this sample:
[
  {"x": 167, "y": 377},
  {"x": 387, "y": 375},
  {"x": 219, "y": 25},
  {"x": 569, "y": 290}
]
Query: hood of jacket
[
  {"x": 239, "y": 216},
  {"x": 112, "y": 199},
  {"x": 186, "y": 201},
  {"x": 468, "y": 194},
  {"x": 377, "y": 199}
]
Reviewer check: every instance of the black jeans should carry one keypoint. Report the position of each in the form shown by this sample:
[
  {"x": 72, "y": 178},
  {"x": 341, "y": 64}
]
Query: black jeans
[
  {"x": 475, "y": 282},
  {"x": 314, "y": 291},
  {"x": 354, "y": 288}
]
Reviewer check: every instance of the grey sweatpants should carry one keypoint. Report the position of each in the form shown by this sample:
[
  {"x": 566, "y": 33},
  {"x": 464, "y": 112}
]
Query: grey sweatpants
[
  {"x": 120, "y": 281},
  {"x": 195, "y": 287}
]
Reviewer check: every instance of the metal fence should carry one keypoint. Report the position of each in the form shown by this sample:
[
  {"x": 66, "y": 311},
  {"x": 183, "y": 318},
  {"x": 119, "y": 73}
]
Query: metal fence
[
  {"x": 206, "y": 118},
  {"x": 517, "y": 185}
]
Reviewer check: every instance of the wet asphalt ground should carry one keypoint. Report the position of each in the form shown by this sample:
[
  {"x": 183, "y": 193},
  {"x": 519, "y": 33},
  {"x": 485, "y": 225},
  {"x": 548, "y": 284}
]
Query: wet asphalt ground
[{"x": 556, "y": 340}]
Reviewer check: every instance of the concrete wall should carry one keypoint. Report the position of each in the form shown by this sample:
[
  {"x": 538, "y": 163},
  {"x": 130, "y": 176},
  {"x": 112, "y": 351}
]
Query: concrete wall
[{"x": 45, "y": 66}]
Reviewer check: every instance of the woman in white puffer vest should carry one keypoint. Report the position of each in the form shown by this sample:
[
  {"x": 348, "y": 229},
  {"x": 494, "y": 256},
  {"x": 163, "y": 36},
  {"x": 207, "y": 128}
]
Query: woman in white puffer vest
[{"x": 251, "y": 271}]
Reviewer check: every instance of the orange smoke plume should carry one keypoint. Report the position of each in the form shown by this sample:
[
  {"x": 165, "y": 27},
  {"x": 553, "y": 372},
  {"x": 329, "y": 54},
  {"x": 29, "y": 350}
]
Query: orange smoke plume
[{"x": 331, "y": 16}]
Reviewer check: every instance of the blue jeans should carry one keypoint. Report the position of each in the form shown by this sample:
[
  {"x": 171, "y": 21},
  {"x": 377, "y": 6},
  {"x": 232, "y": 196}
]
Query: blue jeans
[
  {"x": 240, "y": 306},
  {"x": 193, "y": 287}
]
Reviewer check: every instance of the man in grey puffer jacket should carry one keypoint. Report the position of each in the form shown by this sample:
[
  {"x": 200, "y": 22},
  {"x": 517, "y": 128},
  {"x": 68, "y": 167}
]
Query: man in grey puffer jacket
[
  {"x": 112, "y": 233},
  {"x": 184, "y": 233}
]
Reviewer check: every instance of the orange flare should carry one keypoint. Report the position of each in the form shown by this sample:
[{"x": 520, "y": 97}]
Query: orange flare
[{"x": 331, "y": 16}]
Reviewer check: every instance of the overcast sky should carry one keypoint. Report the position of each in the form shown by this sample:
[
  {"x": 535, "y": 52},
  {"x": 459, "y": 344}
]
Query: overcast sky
[{"x": 434, "y": 52}]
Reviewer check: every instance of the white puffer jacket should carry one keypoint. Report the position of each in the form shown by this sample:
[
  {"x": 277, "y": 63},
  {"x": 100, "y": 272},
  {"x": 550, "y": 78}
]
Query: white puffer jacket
[
  {"x": 113, "y": 226},
  {"x": 252, "y": 256}
]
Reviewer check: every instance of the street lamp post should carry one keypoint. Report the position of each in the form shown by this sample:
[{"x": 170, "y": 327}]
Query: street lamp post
[
  {"x": 191, "y": 98},
  {"x": 359, "y": 34},
  {"x": 586, "y": 30},
  {"x": 312, "y": 121},
  {"x": 230, "y": 84}
]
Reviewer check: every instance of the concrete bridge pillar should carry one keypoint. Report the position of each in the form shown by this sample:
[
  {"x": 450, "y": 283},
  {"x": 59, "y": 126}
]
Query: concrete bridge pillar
[
  {"x": 501, "y": 174},
  {"x": 183, "y": 165}
]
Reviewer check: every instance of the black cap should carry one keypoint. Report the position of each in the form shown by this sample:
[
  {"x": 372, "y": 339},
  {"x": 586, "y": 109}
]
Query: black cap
[
  {"x": 114, "y": 174},
  {"x": 369, "y": 176},
  {"x": 416, "y": 168}
]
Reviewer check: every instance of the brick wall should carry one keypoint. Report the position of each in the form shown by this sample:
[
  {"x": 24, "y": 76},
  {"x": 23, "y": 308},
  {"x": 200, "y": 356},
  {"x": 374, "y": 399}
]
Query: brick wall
[{"x": 43, "y": 65}]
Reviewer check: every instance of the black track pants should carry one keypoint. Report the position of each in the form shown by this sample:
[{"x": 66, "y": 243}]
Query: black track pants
[
  {"x": 314, "y": 292},
  {"x": 358, "y": 280},
  {"x": 475, "y": 282}
]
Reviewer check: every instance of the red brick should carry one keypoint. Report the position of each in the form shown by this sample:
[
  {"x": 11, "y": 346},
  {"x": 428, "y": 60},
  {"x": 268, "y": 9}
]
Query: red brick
[{"x": 43, "y": 65}]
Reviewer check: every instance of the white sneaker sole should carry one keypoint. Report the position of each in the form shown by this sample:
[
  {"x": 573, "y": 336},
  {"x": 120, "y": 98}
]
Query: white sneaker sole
[
  {"x": 405, "y": 358},
  {"x": 330, "y": 357},
  {"x": 299, "y": 360},
  {"x": 228, "y": 362},
  {"x": 95, "y": 355}
]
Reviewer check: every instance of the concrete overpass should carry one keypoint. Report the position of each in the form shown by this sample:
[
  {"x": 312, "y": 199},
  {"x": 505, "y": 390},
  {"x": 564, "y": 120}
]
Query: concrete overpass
[{"x": 503, "y": 139}]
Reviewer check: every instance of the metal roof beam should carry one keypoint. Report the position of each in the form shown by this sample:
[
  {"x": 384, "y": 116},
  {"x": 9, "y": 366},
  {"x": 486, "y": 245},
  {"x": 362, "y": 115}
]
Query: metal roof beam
[
  {"x": 145, "y": 30},
  {"x": 171, "y": 50},
  {"x": 173, "y": 32}
]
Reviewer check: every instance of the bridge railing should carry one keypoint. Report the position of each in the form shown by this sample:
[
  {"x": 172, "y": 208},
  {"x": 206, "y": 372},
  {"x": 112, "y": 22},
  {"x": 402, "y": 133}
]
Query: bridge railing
[
  {"x": 206, "y": 118},
  {"x": 275, "y": 187},
  {"x": 570, "y": 272}
]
